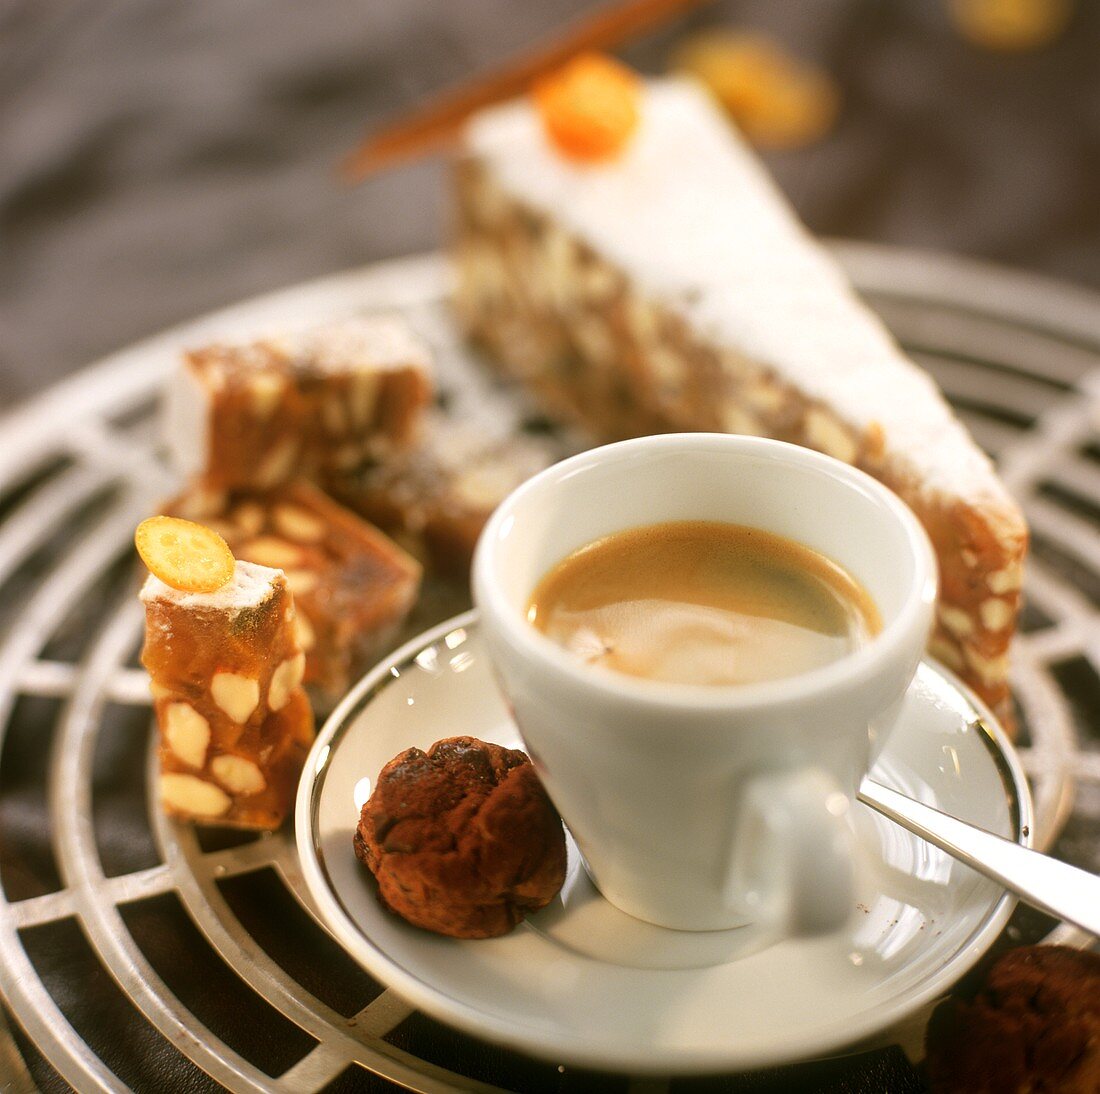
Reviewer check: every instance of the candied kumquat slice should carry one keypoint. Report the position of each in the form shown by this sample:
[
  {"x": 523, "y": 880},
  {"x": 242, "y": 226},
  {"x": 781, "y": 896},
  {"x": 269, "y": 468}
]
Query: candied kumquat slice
[
  {"x": 590, "y": 107},
  {"x": 185, "y": 555}
]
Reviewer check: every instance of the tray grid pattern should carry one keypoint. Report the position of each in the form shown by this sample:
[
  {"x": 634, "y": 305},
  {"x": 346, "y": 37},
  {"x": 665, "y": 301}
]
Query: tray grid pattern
[{"x": 79, "y": 468}]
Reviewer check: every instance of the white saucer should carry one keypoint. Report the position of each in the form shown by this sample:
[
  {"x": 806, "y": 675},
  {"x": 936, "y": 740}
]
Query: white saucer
[{"x": 585, "y": 984}]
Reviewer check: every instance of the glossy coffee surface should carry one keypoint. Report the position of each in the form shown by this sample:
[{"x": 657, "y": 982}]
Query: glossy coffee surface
[{"x": 702, "y": 602}]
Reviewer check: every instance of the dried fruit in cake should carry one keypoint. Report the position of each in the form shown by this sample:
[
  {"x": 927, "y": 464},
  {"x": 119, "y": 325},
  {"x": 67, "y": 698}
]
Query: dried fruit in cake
[
  {"x": 226, "y": 670},
  {"x": 352, "y": 585},
  {"x": 184, "y": 555},
  {"x": 589, "y": 107},
  {"x": 462, "y": 839},
  {"x": 1033, "y": 1026},
  {"x": 776, "y": 99}
]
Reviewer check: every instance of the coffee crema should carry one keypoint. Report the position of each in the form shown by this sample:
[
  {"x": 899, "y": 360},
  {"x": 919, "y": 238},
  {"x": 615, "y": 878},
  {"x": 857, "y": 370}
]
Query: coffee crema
[{"x": 703, "y": 602}]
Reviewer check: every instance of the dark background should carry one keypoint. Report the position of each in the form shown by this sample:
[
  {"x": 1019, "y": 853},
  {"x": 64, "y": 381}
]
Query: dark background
[{"x": 158, "y": 159}]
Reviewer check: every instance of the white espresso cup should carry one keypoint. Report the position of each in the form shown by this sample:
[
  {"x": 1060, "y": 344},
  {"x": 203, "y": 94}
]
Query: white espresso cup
[{"x": 708, "y": 807}]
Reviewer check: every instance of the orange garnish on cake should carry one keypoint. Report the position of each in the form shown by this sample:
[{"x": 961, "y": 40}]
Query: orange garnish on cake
[
  {"x": 590, "y": 107},
  {"x": 184, "y": 555},
  {"x": 430, "y": 125}
]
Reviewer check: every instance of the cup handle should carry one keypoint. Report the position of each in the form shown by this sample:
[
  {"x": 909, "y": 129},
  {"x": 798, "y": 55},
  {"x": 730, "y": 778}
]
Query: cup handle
[{"x": 793, "y": 859}]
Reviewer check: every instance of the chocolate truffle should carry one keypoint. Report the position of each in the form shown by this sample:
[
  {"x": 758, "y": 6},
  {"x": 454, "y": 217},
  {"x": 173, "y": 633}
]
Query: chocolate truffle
[
  {"x": 462, "y": 839},
  {"x": 1034, "y": 1026}
]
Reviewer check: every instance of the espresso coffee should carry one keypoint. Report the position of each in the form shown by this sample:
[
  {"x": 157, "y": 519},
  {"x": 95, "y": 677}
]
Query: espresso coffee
[{"x": 702, "y": 602}]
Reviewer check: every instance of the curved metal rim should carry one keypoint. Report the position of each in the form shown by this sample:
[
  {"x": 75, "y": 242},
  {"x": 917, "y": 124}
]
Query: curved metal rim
[{"x": 543, "y": 1043}]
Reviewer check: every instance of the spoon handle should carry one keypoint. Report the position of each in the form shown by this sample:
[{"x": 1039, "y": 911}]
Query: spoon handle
[{"x": 1045, "y": 883}]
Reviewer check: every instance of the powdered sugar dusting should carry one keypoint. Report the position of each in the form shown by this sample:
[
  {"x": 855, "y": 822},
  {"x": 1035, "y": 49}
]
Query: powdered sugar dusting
[
  {"x": 249, "y": 587},
  {"x": 372, "y": 342},
  {"x": 691, "y": 215}
]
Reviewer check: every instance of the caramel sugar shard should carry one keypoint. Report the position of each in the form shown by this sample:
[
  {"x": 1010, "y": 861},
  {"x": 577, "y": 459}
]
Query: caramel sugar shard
[
  {"x": 352, "y": 585},
  {"x": 235, "y": 723},
  {"x": 252, "y": 416},
  {"x": 674, "y": 289},
  {"x": 436, "y": 498}
]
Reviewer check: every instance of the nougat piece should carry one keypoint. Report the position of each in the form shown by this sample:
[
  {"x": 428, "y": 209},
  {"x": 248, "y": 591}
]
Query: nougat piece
[
  {"x": 352, "y": 585},
  {"x": 672, "y": 288},
  {"x": 255, "y": 415},
  {"x": 366, "y": 382},
  {"x": 226, "y": 673},
  {"x": 436, "y": 498}
]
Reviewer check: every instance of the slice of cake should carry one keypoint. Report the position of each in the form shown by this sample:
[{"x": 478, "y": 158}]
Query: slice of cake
[
  {"x": 257, "y": 414},
  {"x": 670, "y": 287}
]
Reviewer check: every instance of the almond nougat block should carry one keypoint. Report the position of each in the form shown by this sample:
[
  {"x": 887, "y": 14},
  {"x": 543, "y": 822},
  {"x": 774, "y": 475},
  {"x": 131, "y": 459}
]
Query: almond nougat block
[
  {"x": 352, "y": 585},
  {"x": 436, "y": 498},
  {"x": 235, "y": 723},
  {"x": 255, "y": 415}
]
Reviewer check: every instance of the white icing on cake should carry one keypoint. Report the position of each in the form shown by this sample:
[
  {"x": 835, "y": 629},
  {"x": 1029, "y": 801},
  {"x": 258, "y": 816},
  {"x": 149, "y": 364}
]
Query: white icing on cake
[
  {"x": 690, "y": 214},
  {"x": 365, "y": 343},
  {"x": 249, "y": 587},
  {"x": 185, "y": 421}
]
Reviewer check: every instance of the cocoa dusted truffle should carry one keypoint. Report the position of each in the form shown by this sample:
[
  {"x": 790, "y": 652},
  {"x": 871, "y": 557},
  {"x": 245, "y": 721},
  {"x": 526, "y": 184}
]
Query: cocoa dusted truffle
[
  {"x": 462, "y": 839},
  {"x": 1033, "y": 1026}
]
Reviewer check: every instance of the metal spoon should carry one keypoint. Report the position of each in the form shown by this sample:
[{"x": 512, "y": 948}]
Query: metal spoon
[{"x": 1045, "y": 883}]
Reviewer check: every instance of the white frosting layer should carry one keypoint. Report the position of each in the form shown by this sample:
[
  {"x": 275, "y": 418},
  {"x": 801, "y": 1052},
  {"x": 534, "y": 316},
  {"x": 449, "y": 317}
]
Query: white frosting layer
[
  {"x": 368, "y": 342},
  {"x": 185, "y": 420},
  {"x": 689, "y": 213},
  {"x": 249, "y": 587}
]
